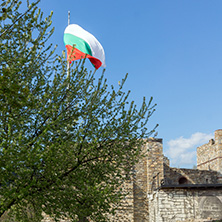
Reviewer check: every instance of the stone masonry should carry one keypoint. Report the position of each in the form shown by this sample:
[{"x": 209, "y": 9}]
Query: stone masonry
[
  {"x": 185, "y": 204},
  {"x": 160, "y": 193},
  {"x": 176, "y": 194},
  {"x": 209, "y": 156}
]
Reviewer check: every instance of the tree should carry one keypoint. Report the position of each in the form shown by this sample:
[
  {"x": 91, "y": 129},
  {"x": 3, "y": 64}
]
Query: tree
[{"x": 66, "y": 142}]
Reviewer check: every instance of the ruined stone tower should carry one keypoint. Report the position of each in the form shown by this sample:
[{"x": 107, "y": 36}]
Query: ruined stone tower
[{"x": 209, "y": 156}]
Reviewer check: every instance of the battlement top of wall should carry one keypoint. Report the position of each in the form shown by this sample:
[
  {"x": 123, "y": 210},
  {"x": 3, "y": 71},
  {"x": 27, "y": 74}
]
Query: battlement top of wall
[
  {"x": 218, "y": 136},
  {"x": 151, "y": 139}
]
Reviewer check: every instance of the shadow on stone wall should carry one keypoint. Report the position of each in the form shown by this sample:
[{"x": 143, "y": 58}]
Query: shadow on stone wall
[
  {"x": 141, "y": 212},
  {"x": 210, "y": 207},
  {"x": 175, "y": 176}
]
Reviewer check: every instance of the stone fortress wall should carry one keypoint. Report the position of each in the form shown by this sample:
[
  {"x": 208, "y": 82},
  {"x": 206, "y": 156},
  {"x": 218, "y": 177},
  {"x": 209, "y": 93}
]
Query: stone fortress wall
[
  {"x": 168, "y": 205},
  {"x": 209, "y": 156},
  {"x": 160, "y": 193}
]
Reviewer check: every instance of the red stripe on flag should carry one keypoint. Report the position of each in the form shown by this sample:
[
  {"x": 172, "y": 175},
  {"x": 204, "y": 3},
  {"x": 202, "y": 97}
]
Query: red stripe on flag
[{"x": 75, "y": 54}]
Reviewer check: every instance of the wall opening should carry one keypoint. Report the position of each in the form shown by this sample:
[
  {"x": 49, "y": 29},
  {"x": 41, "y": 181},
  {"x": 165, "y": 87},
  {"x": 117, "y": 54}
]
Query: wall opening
[{"x": 183, "y": 180}]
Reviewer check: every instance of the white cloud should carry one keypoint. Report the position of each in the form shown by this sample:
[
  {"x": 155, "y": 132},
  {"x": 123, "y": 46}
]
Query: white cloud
[
  {"x": 182, "y": 151},
  {"x": 188, "y": 158}
]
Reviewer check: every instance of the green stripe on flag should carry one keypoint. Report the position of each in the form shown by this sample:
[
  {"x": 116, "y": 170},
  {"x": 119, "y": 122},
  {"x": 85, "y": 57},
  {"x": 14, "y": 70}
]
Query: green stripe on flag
[{"x": 79, "y": 43}]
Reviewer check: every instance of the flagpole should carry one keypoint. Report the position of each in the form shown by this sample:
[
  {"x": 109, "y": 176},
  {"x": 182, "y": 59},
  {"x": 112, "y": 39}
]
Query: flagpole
[
  {"x": 68, "y": 64},
  {"x": 68, "y": 70},
  {"x": 68, "y": 17}
]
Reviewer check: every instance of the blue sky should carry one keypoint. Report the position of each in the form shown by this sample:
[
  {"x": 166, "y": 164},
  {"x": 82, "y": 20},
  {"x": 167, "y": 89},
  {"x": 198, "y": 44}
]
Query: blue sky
[{"x": 172, "y": 51}]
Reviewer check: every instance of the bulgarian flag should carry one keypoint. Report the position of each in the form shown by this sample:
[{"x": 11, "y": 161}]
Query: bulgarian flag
[{"x": 81, "y": 44}]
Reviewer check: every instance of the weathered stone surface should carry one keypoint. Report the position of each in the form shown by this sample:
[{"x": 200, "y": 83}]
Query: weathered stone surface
[
  {"x": 193, "y": 176},
  {"x": 160, "y": 193},
  {"x": 185, "y": 205},
  {"x": 209, "y": 156}
]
